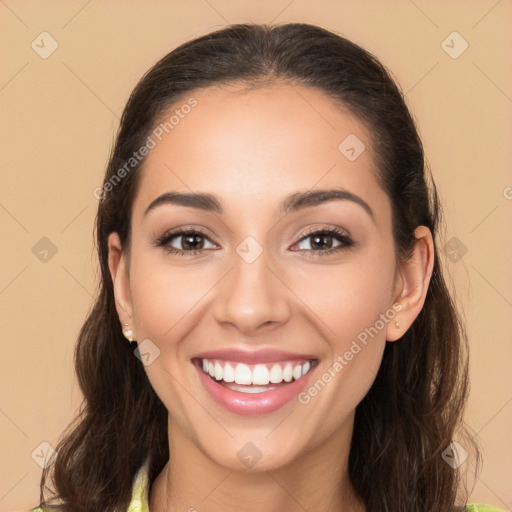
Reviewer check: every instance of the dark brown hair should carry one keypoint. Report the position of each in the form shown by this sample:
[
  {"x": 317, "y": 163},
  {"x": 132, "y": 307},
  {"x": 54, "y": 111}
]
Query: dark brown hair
[{"x": 415, "y": 406}]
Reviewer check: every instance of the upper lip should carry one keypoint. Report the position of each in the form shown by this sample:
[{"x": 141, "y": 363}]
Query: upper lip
[{"x": 253, "y": 356}]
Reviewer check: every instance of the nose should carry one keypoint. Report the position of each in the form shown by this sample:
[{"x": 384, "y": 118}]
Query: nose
[{"x": 252, "y": 298}]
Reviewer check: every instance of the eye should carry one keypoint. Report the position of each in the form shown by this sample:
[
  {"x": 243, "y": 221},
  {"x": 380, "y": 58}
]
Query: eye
[
  {"x": 185, "y": 242},
  {"x": 325, "y": 241},
  {"x": 188, "y": 242}
]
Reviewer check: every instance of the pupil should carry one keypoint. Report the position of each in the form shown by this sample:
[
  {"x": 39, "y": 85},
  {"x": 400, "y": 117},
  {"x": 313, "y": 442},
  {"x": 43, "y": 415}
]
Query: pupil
[
  {"x": 191, "y": 241},
  {"x": 318, "y": 240}
]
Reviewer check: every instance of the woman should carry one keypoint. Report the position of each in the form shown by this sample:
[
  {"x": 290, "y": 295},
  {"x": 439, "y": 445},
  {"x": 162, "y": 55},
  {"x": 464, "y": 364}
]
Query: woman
[{"x": 267, "y": 242}]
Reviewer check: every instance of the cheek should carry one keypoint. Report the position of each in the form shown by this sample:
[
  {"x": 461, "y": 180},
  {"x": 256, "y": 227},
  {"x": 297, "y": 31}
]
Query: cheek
[
  {"x": 347, "y": 298},
  {"x": 163, "y": 294},
  {"x": 166, "y": 303},
  {"x": 356, "y": 337},
  {"x": 351, "y": 306}
]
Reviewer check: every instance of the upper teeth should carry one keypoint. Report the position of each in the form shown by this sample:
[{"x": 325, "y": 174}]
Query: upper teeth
[{"x": 259, "y": 374}]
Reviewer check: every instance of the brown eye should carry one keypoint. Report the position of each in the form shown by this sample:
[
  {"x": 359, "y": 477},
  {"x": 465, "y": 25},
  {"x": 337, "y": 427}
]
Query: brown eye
[
  {"x": 192, "y": 241},
  {"x": 325, "y": 241},
  {"x": 185, "y": 242}
]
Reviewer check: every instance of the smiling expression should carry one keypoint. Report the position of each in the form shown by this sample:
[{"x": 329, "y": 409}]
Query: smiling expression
[{"x": 256, "y": 242}]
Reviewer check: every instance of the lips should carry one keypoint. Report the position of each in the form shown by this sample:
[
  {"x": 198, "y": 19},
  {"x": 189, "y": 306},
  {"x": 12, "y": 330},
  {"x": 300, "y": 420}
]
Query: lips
[
  {"x": 253, "y": 382},
  {"x": 254, "y": 356}
]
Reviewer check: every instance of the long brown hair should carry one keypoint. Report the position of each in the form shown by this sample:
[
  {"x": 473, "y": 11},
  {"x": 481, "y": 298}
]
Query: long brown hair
[{"x": 413, "y": 409}]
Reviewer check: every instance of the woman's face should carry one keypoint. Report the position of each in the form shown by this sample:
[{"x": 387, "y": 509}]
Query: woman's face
[{"x": 260, "y": 282}]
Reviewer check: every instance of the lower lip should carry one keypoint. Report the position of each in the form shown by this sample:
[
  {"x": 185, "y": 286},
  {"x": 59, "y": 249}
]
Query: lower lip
[{"x": 252, "y": 404}]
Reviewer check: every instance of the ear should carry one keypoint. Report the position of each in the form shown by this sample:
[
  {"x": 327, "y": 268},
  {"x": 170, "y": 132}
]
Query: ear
[
  {"x": 117, "y": 264},
  {"x": 413, "y": 282}
]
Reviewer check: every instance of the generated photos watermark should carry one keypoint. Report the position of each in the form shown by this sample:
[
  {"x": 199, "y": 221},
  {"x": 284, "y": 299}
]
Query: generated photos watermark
[
  {"x": 151, "y": 142},
  {"x": 343, "y": 360}
]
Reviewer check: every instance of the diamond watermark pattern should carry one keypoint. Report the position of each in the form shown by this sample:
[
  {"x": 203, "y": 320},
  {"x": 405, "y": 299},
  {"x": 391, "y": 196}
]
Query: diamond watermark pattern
[
  {"x": 249, "y": 249},
  {"x": 454, "y": 249},
  {"x": 44, "y": 45},
  {"x": 454, "y": 45},
  {"x": 249, "y": 454},
  {"x": 454, "y": 455},
  {"x": 44, "y": 250},
  {"x": 44, "y": 454},
  {"x": 351, "y": 147},
  {"x": 147, "y": 352}
]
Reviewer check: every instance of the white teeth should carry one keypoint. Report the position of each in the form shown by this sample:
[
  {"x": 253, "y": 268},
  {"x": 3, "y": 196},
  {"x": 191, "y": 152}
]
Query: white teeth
[
  {"x": 288, "y": 373},
  {"x": 243, "y": 374},
  {"x": 257, "y": 375},
  {"x": 229, "y": 373},
  {"x": 249, "y": 389},
  {"x": 260, "y": 375},
  {"x": 218, "y": 371},
  {"x": 276, "y": 374}
]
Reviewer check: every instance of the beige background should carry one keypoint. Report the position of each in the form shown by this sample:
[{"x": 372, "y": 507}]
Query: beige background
[{"x": 58, "y": 119}]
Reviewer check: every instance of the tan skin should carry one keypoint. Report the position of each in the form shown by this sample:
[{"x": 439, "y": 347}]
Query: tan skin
[{"x": 251, "y": 148}]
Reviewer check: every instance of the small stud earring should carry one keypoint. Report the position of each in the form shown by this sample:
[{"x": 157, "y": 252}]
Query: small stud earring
[
  {"x": 128, "y": 333},
  {"x": 397, "y": 325}
]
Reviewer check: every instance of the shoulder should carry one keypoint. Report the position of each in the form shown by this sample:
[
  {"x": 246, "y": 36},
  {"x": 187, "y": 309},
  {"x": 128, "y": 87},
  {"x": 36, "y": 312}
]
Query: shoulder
[{"x": 481, "y": 508}]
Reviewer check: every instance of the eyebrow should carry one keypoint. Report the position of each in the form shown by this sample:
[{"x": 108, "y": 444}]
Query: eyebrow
[{"x": 291, "y": 203}]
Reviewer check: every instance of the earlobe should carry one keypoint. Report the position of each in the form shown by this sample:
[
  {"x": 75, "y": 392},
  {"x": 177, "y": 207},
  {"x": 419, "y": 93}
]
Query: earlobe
[
  {"x": 120, "y": 279},
  {"x": 415, "y": 275}
]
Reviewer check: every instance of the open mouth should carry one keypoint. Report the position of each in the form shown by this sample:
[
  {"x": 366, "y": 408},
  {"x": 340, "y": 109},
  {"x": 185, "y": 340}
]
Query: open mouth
[{"x": 254, "y": 378}]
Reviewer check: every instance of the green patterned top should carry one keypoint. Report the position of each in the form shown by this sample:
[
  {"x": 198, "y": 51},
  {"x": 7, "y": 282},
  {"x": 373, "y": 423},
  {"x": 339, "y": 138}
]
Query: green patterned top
[
  {"x": 481, "y": 508},
  {"x": 139, "y": 501}
]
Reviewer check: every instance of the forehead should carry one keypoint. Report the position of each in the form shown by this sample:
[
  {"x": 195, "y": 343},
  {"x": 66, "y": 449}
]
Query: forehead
[{"x": 252, "y": 146}]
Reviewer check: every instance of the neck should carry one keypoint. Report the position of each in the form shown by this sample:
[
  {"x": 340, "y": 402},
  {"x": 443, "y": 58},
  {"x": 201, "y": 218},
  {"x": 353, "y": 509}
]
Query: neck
[{"x": 316, "y": 480}]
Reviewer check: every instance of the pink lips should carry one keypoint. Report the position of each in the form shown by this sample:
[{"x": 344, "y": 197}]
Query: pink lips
[
  {"x": 251, "y": 404},
  {"x": 254, "y": 356}
]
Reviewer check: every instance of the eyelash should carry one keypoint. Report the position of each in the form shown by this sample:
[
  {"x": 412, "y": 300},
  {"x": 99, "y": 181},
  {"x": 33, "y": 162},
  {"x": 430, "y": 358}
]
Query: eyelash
[{"x": 341, "y": 236}]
